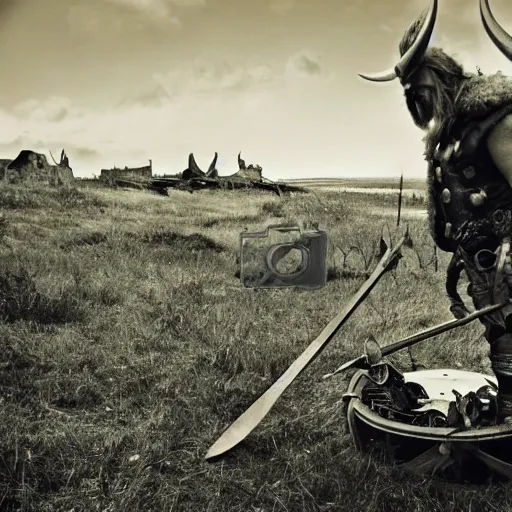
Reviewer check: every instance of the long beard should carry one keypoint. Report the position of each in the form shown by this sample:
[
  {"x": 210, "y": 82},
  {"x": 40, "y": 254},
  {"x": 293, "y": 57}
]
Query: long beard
[
  {"x": 440, "y": 122},
  {"x": 433, "y": 135}
]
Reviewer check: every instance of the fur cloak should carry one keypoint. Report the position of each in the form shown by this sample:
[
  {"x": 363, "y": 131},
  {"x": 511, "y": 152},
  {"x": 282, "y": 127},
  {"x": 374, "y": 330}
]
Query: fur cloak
[{"x": 482, "y": 94}]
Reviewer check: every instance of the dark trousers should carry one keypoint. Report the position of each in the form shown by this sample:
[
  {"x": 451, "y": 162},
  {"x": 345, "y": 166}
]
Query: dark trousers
[{"x": 489, "y": 287}]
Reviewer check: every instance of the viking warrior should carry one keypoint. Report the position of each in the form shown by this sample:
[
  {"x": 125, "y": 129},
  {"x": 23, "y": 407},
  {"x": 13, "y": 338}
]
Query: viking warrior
[{"x": 467, "y": 120}]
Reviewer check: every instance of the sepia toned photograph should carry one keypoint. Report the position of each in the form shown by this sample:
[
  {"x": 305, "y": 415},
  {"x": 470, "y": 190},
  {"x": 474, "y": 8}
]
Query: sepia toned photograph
[{"x": 256, "y": 256}]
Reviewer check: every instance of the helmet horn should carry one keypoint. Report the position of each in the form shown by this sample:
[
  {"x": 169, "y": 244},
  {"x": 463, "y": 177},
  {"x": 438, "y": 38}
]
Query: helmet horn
[
  {"x": 499, "y": 37},
  {"x": 411, "y": 58}
]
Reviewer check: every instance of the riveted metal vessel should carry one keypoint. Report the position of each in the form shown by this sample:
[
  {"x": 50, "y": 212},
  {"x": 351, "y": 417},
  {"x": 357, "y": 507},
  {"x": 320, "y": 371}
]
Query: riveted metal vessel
[{"x": 470, "y": 455}]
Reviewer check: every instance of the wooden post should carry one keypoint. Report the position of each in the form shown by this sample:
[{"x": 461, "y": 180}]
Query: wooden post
[{"x": 400, "y": 200}]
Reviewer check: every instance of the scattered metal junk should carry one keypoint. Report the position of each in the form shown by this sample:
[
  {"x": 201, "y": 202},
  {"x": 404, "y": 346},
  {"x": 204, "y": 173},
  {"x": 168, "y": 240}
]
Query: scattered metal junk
[{"x": 430, "y": 422}]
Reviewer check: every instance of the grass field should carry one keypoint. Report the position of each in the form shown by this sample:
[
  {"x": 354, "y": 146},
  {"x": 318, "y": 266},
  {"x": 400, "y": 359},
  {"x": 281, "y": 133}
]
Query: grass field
[
  {"x": 129, "y": 345},
  {"x": 373, "y": 183}
]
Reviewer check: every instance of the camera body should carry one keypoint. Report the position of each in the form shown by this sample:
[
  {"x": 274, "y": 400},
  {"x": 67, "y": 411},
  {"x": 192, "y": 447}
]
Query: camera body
[{"x": 284, "y": 256}]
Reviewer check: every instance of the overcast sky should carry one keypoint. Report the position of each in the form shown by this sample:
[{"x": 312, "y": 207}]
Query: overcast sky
[{"x": 122, "y": 81}]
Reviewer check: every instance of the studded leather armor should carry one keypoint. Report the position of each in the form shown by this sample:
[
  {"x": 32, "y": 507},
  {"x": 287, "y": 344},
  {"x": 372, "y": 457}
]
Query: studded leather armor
[
  {"x": 469, "y": 195},
  {"x": 471, "y": 215}
]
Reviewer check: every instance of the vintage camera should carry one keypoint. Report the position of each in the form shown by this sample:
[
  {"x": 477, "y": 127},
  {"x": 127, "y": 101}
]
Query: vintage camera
[{"x": 284, "y": 256}]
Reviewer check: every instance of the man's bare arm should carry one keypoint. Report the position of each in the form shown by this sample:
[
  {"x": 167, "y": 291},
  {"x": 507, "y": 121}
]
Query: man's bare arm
[{"x": 499, "y": 144}]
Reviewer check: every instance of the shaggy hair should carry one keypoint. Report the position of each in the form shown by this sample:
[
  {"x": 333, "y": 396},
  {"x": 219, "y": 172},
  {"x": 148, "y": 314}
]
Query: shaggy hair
[
  {"x": 449, "y": 77},
  {"x": 471, "y": 95},
  {"x": 457, "y": 94}
]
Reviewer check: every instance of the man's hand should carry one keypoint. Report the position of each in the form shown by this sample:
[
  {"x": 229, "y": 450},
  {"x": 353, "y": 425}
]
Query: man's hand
[
  {"x": 459, "y": 310},
  {"x": 456, "y": 266},
  {"x": 490, "y": 286}
]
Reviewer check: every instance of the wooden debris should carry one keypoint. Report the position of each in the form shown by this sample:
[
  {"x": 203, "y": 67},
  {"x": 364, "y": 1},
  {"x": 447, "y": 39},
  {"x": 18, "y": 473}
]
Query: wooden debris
[
  {"x": 220, "y": 182},
  {"x": 193, "y": 178}
]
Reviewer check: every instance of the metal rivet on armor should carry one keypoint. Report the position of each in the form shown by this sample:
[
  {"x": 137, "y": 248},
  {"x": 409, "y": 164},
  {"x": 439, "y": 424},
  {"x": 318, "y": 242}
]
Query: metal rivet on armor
[
  {"x": 447, "y": 230},
  {"x": 447, "y": 153},
  {"x": 446, "y": 195},
  {"x": 478, "y": 198},
  {"x": 437, "y": 153},
  {"x": 444, "y": 448},
  {"x": 498, "y": 216},
  {"x": 469, "y": 172},
  {"x": 439, "y": 174}
]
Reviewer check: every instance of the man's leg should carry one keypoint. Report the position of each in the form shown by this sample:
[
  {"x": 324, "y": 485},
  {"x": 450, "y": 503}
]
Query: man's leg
[
  {"x": 501, "y": 361},
  {"x": 490, "y": 286}
]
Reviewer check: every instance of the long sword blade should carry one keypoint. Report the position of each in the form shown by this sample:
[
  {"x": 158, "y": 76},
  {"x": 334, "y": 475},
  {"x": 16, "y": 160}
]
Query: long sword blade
[{"x": 250, "y": 419}]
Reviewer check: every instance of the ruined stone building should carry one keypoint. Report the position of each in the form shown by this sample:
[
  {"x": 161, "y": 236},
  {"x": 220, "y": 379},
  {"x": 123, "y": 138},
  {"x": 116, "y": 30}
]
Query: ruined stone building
[
  {"x": 247, "y": 172},
  {"x": 32, "y": 167},
  {"x": 132, "y": 173}
]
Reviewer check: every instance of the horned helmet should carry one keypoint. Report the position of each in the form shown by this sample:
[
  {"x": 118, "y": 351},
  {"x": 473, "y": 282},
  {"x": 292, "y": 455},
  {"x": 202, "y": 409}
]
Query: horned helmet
[
  {"x": 412, "y": 58},
  {"x": 410, "y": 61},
  {"x": 414, "y": 69}
]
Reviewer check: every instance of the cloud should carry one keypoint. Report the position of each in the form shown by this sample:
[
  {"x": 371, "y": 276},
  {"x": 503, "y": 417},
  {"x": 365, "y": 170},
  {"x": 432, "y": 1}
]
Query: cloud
[
  {"x": 305, "y": 62},
  {"x": 200, "y": 107},
  {"x": 12, "y": 128},
  {"x": 156, "y": 10},
  {"x": 385, "y": 27},
  {"x": 282, "y": 6},
  {"x": 158, "y": 6},
  {"x": 132, "y": 132},
  {"x": 85, "y": 19},
  {"x": 91, "y": 19},
  {"x": 150, "y": 95},
  {"x": 454, "y": 15},
  {"x": 352, "y": 6},
  {"x": 189, "y": 3},
  {"x": 80, "y": 151},
  {"x": 201, "y": 77},
  {"x": 159, "y": 11},
  {"x": 205, "y": 78},
  {"x": 5, "y": 147},
  {"x": 32, "y": 142},
  {"x": 53, "y": 109}
]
